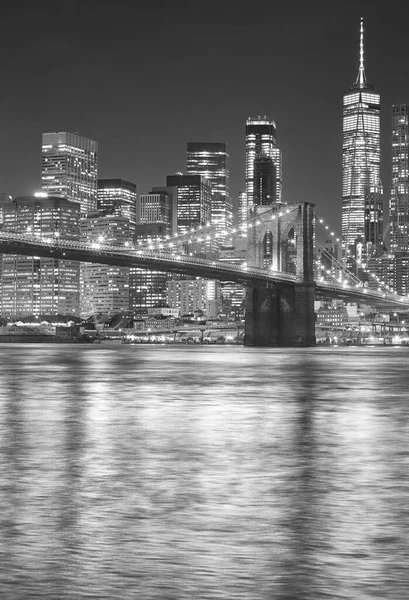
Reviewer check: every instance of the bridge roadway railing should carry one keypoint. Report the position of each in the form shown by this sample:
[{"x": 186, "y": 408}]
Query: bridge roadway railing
[{"x": 19, "y": 243}]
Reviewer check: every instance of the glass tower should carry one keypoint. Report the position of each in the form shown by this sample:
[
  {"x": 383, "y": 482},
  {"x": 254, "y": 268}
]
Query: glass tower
[
  {"x": 69, "y": 168},
  {"x": 261, "y": 141},
  {"x": 211, "y": 159},
  {"x": 361, "y": 154},
  {"x": 399, "y": 202}
]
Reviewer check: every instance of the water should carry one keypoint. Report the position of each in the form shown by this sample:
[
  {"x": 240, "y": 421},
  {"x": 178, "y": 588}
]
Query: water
[{"x": 159, "y": 472}]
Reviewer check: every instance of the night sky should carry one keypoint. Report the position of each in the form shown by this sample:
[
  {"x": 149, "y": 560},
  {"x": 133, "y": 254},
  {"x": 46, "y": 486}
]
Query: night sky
[{"x": 144, "y": 78}]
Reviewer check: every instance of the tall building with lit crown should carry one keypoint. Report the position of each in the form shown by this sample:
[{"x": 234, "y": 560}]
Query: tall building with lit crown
[
  {"x": 211, "y": 159},
  {"x": 118, "y": 197},
  {"x": 399, "y": 199},
  {"x": 37, "y": 285},
  {"x": 70, "y": 168},
  {"x": 361, "y": 156},
  {"x": 261, "y": 140}
]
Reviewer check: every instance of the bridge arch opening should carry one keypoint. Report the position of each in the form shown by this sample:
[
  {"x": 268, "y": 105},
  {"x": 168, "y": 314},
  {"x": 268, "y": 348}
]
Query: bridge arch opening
[
  {"x": 289, "y": 250},
  {"x": 268, "y": 249}
]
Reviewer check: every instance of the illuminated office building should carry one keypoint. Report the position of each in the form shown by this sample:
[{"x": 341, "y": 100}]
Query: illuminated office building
[
  {"x": 399, "y": 200},
  {"x": 211, "y": 159},
  {"x": 37, "y": 285},
  {"x": 194, "y": 200},
  {"x": 190, "y": 295},
  {"x": 242, "y": 207},
  {"x": 118, "y": 197},
  {"x": 147, "y": 288},
  {"x": 361, "y": 155},
  {"x": 261, "y": 140},
  {"x": 157, "y": 218},
  {"x": 156, "y": 207},
  {"x": 104, "y": 288},
  {"x": 70, "y": 167}
]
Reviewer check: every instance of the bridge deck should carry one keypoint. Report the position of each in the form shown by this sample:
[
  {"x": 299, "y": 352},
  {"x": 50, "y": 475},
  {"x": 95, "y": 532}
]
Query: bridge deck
[{"x": 29, "y": 245}]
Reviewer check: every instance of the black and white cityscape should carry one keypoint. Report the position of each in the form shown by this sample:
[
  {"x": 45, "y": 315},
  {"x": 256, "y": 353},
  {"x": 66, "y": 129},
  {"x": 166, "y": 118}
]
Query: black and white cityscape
[
  {"x": 192, "y": 214},
  {"x": 204, "y": 302}
]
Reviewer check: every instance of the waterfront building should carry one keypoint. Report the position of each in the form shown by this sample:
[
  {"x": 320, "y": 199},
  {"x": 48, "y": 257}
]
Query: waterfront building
[
  {"x": 37, "y": 285},
  {"x": 70, "y": 168},
  {"x": 104, "y": 288},
  {"x": 118, "y": 197},
  {"x": 190, "y": 295},
  {"x": 211, "y": 159},
  {"x": 261, "y": 140},
  {"x": 361, "y": 155},
  {"x": 232, "y": 294},
  {"x": 147, "y": 288}
]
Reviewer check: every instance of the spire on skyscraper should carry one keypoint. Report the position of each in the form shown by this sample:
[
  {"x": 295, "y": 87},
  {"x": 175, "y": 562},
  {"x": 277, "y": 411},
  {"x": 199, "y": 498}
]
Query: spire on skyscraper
[{"x": 361, "y": 79}]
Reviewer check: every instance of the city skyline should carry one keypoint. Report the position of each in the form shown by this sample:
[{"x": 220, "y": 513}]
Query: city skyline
[{"x": 144, "y": 140}]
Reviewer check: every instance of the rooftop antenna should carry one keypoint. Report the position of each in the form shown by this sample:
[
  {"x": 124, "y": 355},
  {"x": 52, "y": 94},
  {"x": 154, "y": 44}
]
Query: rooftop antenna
[{"x": 361, "y": 79}]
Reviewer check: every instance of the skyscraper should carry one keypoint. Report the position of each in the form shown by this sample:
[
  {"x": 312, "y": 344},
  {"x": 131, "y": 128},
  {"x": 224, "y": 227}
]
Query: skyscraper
[
  {"x": 118, "y": 197},
  {"x": 104, "y": 288},
  {"x": 399, "y": 202},
  {"x": 261, "y": 140},
  {"x": 211, "y": 159},
  {"x": 361, "y": 155},
  {"x": 264, "y": 179},
  {"x": 70, "y": 167},
  {"x": 194, "y": 200}
]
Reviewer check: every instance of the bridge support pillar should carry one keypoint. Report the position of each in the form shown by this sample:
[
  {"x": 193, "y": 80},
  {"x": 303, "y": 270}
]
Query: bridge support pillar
[{"x": 282, "y": 316}]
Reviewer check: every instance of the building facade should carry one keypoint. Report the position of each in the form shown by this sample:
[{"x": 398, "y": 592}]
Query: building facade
[
  {"x": 33, "y": 285},
  {"x": 104, "y": 288},
  {"x": 264, "y": 180},
  {"x": 194, "y": 200},
  {"x": 361, "y": 155},
  {"x": 399, "y": 199},
  {"x": 190, "y": 295},
  {"x": 211, "y": 160},
  {"x": 118, "y": 197},
  {"x": 261, "y": 140},
  {"x": 70, "y": 168}
]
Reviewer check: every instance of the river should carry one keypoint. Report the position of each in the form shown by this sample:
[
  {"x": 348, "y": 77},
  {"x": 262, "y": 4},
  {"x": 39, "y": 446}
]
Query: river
[{"x": 167, "y": 472}]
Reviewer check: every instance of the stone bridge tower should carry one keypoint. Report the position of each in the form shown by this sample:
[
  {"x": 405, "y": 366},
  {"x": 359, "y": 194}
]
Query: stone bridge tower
[{"x": 281, "y": 314}]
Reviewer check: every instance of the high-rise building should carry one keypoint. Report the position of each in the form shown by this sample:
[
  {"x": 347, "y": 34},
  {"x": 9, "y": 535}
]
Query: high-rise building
[
  {"x": 361, "y": 155},
  {"x": 157, "y": 218},
  {"x": 104, "y": 288},
  {"x": 156, "y": 207},
  {"x": 211, "y": 159},
  {"x": 261, "y": 140},
  {"x": 35, "y": 285},
  {"x": 399, "y": 200},
  {"x": 264, "y": 178},
  {"x": 70, "y": 168},
  {"x": 118, "y": 197},
  {"x": 194, "y": 200},
  {"x": 242, "y": 207},
  {"x": 147, "y": 288}
]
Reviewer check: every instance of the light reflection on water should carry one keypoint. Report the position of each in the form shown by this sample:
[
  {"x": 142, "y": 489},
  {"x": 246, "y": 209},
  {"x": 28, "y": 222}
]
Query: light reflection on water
[{"x": 196, "y": 472}]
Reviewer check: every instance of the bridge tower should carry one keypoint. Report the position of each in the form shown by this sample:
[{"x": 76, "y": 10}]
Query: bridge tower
[{"x": 281, "y": 314}]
